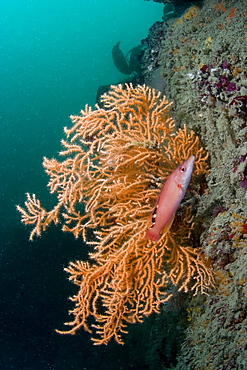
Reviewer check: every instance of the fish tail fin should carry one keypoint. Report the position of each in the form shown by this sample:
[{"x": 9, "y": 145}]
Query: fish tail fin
[{"x": 153, "y": 235}]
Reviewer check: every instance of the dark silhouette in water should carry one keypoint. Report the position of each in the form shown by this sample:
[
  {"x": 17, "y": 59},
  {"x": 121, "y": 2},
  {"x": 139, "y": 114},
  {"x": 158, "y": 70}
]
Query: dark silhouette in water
[
  {"x": 131, "y": 66},
  {"x": 134, "y": 59},
  {"x": 119, "y": 60}
]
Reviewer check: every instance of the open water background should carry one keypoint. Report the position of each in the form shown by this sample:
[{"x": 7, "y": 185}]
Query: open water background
[{"x": 54, "y": 54}]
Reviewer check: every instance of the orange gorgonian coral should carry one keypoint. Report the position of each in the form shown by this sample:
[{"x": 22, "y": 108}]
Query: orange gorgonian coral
[{"x": 116, "y": 159}]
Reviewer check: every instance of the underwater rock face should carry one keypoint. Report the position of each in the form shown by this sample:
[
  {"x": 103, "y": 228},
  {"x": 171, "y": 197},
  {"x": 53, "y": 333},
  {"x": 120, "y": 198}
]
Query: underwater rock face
[
  {"x": 150, "y": 60},
  {"x": 158, "y": 81},
  {"x": 202, "y": 58}
]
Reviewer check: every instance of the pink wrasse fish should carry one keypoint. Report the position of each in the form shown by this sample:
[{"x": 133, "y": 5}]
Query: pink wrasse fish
[{"x": 170, "y": 197}]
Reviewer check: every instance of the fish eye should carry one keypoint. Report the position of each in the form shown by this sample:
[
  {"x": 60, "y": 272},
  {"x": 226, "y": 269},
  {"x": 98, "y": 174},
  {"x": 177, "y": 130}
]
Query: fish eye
[{"x": 182, "y": 169}]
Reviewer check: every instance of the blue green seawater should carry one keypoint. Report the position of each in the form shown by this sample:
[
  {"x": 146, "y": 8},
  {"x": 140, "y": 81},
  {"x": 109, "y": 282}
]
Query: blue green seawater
[{"x": 54, "y": 54}]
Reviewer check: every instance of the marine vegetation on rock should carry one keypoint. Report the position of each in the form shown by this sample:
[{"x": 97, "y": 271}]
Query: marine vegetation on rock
[{"x": 116, "y": 159}]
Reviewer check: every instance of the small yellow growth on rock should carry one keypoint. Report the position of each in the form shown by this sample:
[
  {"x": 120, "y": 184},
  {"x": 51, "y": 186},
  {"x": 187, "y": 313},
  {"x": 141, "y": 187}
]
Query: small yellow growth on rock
[
  {"x": 189, "y": 14},
  {"x": 208, "y": 41}
]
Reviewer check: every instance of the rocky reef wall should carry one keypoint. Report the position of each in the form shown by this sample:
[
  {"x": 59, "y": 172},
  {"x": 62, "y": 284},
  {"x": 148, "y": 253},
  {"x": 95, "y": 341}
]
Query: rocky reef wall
[{"x": 199, "y": 61}]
